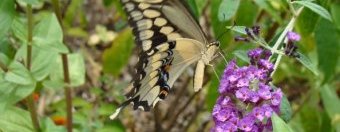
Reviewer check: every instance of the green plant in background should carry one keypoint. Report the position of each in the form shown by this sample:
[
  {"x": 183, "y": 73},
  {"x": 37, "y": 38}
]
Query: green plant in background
[{"x": 35, "y": 40}]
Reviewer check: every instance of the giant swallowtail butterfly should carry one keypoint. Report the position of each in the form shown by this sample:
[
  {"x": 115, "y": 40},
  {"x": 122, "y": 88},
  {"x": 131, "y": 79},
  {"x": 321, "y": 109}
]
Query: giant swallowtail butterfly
[{"x": 170, "y": 40}]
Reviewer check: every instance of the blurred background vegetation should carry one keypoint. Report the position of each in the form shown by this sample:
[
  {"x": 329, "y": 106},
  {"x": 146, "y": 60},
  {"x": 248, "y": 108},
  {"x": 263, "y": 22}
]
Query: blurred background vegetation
[{"x": 102, "y": 54}]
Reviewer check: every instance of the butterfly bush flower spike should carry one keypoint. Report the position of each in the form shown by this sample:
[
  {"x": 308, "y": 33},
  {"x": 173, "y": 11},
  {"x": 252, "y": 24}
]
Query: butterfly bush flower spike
[{"x": 246, "y": 100}]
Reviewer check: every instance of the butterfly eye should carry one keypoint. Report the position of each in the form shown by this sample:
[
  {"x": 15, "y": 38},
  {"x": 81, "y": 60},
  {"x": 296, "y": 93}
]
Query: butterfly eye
[{"x": 217, "y": 43}]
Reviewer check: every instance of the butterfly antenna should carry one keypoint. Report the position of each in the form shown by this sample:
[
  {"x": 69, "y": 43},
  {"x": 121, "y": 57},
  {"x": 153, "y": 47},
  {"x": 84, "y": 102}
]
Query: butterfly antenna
[{"x": 219, "y": 37}]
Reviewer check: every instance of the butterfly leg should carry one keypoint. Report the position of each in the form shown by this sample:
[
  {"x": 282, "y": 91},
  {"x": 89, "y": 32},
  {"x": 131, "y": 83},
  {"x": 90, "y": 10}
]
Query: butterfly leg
[{"x": 198, "y": 76}]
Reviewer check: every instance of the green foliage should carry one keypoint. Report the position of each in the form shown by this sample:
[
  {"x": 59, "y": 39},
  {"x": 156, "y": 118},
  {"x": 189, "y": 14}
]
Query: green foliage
[
  {"x": 242, "y": 54},
  {"x": 41, "y": 64},
  {"x": 15, "y": 119},
  {"x": 48, "y": 35},
  {"x": 316, "y": 8},
  {"x": 247, "y": 13},
  {"x": 285, "y": 109},
  {"x": 328, "y": 47},
  {"x": 228, "y": 9},
  {"x": 76, "y": 70},
  {"x": 305, "y": 61},
  {"x": 6, "y": 15},
  {"x": 116, "y": 57},
  {"x": 335, "y": 9},
  {"x": 331, "y": 102},
  {"x": 279, "y": 125}
]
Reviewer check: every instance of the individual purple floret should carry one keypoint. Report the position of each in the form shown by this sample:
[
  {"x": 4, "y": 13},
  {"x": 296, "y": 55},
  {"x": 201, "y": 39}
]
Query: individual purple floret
[
  {"x": 247, "y": 101},
  {"x": 290, "y": 47},
  {"x": 292, "y": 36}
]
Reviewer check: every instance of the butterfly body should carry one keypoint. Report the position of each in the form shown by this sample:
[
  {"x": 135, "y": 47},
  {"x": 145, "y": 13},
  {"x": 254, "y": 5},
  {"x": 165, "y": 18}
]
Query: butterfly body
[{"x": 170, "y": 40}]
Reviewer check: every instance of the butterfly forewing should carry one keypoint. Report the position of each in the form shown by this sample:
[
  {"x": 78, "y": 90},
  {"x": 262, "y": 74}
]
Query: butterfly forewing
[{"x": 169, "y": 40}]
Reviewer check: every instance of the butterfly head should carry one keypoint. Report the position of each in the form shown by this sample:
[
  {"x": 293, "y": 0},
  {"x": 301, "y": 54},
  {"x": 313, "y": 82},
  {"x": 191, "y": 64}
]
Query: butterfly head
[
  {"x": 215, "y": 44},
  {"x": 210, "y": 52}
]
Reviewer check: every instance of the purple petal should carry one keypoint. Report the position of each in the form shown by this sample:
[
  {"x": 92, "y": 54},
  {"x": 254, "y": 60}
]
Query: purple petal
[
  {"x": 247, "y": 123},
  {"x": 292, "y": 36},
  {"x": 265, "y": 64},
  {"x": 264, "y": 91},
  {"x": 224, "y": 101},
  {"x": 225, "y": 127},
  {"x": 268, "y": 111},
  {"x": 258, "y": 112},
  {"x": 244, "y": 82},
  {"x": 255, "y": 53},
  {"x": 242, "y": 94},
  {"x": 276, "y": 97},
  {"x": 254, "y": 97},
  {"x": 267, "y": 54}
]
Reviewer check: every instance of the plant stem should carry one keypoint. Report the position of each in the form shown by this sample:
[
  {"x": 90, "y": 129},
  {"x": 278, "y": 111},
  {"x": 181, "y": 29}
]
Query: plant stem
[
  {"x": 282, "y": 37},
  {"x": 30, "y": 99},
  {"x": 67, "y": 88}
]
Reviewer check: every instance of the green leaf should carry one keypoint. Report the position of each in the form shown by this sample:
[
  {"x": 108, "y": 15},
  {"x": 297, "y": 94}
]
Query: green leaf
[
  {"x": 249, "y": 9},
  {"x": 6, "y": 47},
  {"x": 4, "y": 59},
  {"x": 238, "y": 29},
  {"x": 279, "y": 125},
  {"x": 53, "y": 84},
  {"x": 325, "y": 123},
  {"x": 6, "y": 95},
  {"x": 41, "y": 61},
  {"x": 316, "y": 8},
  {"x": 15, "y": 120},
  {"x": 76, "y": 66},
  {"x": 264, "y": 4},
  {"x": 32, "y": 2},
  {"x": 48, "y": 35},
  {"x": 116, "y": 57},
  {"x": 285, "y": 109},
  {"x": 18, "y": 74},
  {"x": 304, "y": 60},
  {"x": 201, "y": 4},
  {"x": 335, "y": 10},
  {"x": 310, "y": 118},
  {"x": 330, "y": 101},
  {"x": 328, "y": 47},
  {"x": 19, "y": 29},
  {"x": 306, "y": 22},
  {"x": 11, "y": 93},
  {"x": 228, "y": 9},
  {"x": 193, "y": 8},
  {"x": 75, "y": 12},
  {"x": 7, "y": 13},
  {"x": 242, "y": 54}
]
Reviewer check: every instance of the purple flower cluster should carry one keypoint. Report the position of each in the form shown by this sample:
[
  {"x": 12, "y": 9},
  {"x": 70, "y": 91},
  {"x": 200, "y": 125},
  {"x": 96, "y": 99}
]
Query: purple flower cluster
[{"x": 246, "y": 100}]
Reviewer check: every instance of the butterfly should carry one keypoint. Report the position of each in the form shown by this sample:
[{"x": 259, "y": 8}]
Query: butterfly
[{"x": 170, "y": 40}]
